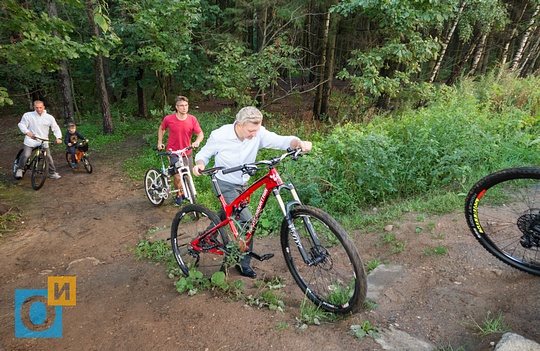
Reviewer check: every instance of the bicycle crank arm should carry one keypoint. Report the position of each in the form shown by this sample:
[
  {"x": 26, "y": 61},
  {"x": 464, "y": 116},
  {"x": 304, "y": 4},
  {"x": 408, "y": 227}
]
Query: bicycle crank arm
[{"x": 261, "y": 258}]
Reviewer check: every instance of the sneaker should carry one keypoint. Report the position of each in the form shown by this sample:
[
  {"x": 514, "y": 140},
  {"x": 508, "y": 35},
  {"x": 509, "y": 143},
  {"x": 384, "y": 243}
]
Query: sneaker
[
  {"x": 178, "y": 201},
  {"x": 55, "y": 176},
  {"x": 72, "y": 164},
  {"x": 19, "y": 174}
]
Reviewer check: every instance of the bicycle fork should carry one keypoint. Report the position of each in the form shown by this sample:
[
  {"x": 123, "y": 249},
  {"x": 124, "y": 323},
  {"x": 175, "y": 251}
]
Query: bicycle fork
[{"x": 318, "y": 255}]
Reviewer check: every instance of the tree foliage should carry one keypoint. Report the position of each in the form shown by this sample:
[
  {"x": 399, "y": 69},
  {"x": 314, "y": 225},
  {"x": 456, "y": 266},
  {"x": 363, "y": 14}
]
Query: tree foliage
[{"x": 260, "y": 51}]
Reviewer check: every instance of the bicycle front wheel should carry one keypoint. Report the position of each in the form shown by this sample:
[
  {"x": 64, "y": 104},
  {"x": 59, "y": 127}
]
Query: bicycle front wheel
[
  {"x": 503, "y": 212},
  {"x": 68, "y": 158},
  {"x": 39, "y": 172},
  {"x": 333, "y": 277},
  {"x": 188, "y": 224},
  {"x": 154, "y": 185},
  {"x": 87, "y": 164},
  {"x": 189, "y": 189}
]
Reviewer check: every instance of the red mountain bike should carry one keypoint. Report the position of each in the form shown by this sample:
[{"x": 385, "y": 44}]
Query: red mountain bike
[{"x": 321, "y": 257}]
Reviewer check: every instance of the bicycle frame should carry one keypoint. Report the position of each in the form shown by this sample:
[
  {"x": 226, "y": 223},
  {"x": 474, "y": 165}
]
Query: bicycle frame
[
  {"x": 182, "y": 169},
  {"x": 36, "y": 151},
  {"x": 272, "y": 184}
]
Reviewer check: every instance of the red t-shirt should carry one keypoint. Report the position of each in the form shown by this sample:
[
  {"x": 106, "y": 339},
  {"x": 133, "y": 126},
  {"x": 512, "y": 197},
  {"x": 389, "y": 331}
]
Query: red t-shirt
[{"x": 180, "y": 132}]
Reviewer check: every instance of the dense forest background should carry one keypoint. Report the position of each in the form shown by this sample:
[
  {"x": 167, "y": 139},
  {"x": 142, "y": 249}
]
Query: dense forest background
[
  {"x": 409, "y": 102},
  {"x": 349, "y": 58}
]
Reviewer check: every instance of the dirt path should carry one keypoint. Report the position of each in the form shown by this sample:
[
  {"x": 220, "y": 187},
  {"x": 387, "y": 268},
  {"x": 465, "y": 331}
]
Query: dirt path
[{"x": 83, "y": 225}]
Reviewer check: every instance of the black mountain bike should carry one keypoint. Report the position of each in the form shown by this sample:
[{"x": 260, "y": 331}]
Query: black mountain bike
[
  {"x": 503, "y": 212},
  {"x": 37, "y": 162}
]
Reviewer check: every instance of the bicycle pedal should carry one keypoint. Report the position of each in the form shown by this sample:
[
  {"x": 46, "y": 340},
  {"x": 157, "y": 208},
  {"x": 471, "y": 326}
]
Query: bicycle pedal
[{"x": 261, "y": 258}]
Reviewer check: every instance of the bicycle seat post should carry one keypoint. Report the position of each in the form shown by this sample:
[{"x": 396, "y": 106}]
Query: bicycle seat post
[{"x": 215, "y": 185}]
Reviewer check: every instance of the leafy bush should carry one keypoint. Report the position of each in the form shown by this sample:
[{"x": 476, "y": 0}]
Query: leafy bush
[{"x": 444, "y": 147}]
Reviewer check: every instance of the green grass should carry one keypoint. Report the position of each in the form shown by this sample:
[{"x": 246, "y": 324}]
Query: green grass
[
  {"x": 311, "y": 314},
  {"x": 420, "y": 161},
  {"x": 491, "y": 324},
  {"x": 439, "y": 250},
  {"x": 8, "y": 220},
  {"x": 360, "y": 331},
  {"x": 372, "y": 264}
]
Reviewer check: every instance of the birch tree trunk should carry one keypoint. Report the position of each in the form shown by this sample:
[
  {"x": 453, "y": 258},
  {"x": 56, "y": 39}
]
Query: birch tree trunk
[
  {"x": 525, "y": 40},
  {"x": 480, "y": 49},
  {"x": 531, "y": 57},
  {"x": 328, "y": 78},
  {"x": 444, "y": 45}
]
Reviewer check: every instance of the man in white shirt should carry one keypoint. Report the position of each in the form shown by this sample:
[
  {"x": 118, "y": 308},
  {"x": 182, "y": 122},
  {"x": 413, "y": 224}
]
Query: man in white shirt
[
  {"x": 37, "y": 124},
  {"x": 236, "y": 144}
]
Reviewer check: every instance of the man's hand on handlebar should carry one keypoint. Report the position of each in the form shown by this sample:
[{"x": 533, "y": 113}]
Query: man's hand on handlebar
[{"x": 197, "y": 169}]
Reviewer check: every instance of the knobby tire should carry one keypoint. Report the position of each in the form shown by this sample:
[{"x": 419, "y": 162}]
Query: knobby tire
[
  {"x": 502, "y": 211},
  {"x": 188, "y": 224},
  {"x": 337, "y": 282},
  {"x": 39, "y": 172}
]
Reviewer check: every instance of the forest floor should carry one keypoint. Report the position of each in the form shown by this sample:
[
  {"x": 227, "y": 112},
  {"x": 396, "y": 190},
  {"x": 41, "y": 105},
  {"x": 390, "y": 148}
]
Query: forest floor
[{"x": 86, "y": 225}]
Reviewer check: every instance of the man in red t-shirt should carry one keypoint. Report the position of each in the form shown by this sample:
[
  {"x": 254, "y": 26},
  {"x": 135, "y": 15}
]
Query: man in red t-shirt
[{"x": 181, "y": 127}]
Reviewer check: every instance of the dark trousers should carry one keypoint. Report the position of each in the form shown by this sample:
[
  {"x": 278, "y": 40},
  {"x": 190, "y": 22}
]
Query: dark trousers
[
  {"x": 71, "y": 150},
  {"x": 28, "y": 152},
  {"x": 231, "y": 192}
]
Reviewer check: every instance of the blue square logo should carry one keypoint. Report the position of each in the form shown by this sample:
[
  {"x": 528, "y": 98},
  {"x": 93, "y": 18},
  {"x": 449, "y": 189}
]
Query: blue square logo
[{"x": 32, "y": 317}]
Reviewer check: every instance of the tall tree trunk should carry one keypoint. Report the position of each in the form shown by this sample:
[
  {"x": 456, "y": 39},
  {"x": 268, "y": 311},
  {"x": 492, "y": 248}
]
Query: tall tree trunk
[
  {"x": 513, "y": 35},
  {"x": 455, "y": 75},
  {"x": 328, "y": 79},
  {"x": 478, "y": 55},
  {"x": 64, "y": 78},
  {"x": 444, "y": 45},
  {"x": 321, "y": 75},
  {"x": 531, "y": 57},
  {"x": 101, "y": 84},
  {"x": 141, "y": 94},
  {"x": 525, "y": 40},
  {"x": 312, "y": 40}
]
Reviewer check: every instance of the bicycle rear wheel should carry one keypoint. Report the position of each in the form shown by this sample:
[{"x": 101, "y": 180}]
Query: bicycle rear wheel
[
  {"x": 39, "y": 172},
  {"x": 188, "y": 224},
  {"x": 503, "y": 212},
  {"x": 154, "y": 186},
  {"x": 335, "y": 279},
  {"x": 189, "y": 189}
]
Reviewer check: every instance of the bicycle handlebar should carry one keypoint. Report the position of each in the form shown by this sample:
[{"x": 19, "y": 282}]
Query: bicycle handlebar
[
  {"x": 252, "y": 168},
  {"x": 38, "y": 138},
  {"x": 177, "y": 152}
]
